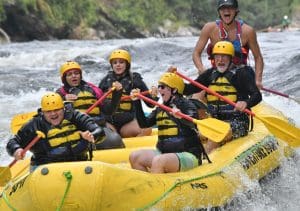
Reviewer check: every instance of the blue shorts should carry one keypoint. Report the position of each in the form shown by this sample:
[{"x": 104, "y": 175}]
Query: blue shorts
[{"x": 187, "y": 160}]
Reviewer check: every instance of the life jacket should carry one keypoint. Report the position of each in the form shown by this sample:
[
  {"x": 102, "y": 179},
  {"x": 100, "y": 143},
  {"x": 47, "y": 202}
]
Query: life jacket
[
  {"x": 167, "y": 128},
  {"x": 87, "y": 95},
  {"x": 65, "y": 142},
  {"x": 241, "y": 53},
  {"x": 222, "y": 84},
  {"x": 125, "y": 105},
  {"x": 171, "y": 140},
  {"x": 127, "y": 84}
]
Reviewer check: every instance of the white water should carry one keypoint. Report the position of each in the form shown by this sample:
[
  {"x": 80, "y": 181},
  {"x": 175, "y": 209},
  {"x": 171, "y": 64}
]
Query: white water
[{"x": 27, "y": 70}]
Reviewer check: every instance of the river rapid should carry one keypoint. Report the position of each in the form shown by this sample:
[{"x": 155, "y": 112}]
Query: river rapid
[{"x": 29, "y": 69}]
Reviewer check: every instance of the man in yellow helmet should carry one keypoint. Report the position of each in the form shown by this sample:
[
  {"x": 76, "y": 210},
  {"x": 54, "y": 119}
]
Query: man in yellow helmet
[
  {"x": 229, "y": 28},
  {"x": 235, "y": 83},
  {"x": 178, "y": 146},
  {"x": 67, "y": 134},
  {"x": 84, "y": 94}
]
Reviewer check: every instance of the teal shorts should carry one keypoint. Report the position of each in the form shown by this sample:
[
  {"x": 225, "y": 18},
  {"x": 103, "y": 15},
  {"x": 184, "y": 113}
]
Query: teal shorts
[{"x": 186, "y": 160}]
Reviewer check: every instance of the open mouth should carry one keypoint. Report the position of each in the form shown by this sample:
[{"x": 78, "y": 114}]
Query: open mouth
[
  {"x": 54, "y": 117},
  {"x": 221, "y": 64}
]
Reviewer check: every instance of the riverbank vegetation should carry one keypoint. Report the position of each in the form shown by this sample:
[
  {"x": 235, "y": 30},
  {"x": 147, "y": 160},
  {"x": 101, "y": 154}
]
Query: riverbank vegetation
[{"x": 46, "y": 19}]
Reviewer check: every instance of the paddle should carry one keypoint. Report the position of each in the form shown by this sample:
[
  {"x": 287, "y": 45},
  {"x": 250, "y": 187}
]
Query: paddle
[
  {"x": 128, "y": 97},
  {"x": 5, "y": 174},
  {"x": 278, "y": 127},
  {"x": 20, "y": 119},
  {"x": 100, "y": 100},
  {"x": 211, "y": 128},
  {"x": 282, "y": 94}
]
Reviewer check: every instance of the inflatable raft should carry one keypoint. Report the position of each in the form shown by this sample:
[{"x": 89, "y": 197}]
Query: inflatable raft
[{"x": 108, "y": 182}]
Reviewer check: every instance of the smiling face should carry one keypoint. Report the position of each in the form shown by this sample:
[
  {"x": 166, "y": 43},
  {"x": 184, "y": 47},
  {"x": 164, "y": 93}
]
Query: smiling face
[
  {"x": 227, "y": 14},
  {"x": 73, "y": 77},
  {"x": 165, "y": 92},
  {"x": 54, "y": 117},
  {"x": 222, "y": 62},
  {"x": 119, "y": 66}
]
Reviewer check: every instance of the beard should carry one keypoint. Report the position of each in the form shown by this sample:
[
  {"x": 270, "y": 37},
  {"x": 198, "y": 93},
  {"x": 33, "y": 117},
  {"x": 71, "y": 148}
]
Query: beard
[{"x": 222, "y": 68}]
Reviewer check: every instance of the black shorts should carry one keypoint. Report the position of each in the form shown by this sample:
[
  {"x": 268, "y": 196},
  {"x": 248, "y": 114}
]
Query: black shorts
[{"x": 118, "y": 120}]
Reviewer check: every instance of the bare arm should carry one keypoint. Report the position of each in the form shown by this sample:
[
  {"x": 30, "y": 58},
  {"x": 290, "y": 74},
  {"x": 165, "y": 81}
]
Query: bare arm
[
  {"x": 201, "y": 43},
  {"x": 254, "y": 47}
]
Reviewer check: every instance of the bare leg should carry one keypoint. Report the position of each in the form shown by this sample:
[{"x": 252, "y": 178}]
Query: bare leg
[
  {"x": 142, "y": 159},
  {"x": 165, "y": 163},
  {"x": 131, "y": 129},
  {"x": 211, "y": 146},
  {"x": 145, "y": 132}
]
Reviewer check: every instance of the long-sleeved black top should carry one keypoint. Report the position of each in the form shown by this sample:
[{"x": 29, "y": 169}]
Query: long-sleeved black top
[
  {"x": 41, "y": 149},
  {"x": 242, "y": 80}
]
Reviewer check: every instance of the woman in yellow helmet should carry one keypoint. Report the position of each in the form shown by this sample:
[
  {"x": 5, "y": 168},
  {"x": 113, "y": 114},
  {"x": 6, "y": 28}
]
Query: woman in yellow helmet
[
  {"x": 123, "y": 119},
  {"x": 235, "y": 83},
  {"x": 178, "y": 146},
  {"x": 84, "y": 94},
  {"x": 67, "y": 134}
]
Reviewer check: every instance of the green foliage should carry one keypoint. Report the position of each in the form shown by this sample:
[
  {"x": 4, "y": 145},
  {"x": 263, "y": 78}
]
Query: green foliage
[
  {"x": 203, "y": 11},
  {"x": 140, "y": 13},
  {"x": 261, "y": 14},
  {"x": 65, "y": 12},
  {"x": 2, "y": 12},
  {"x": 148, "y": 14}
]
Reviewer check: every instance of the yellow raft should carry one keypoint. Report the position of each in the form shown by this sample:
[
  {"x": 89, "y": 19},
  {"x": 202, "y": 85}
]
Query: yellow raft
[{"x": 108, "y": 182}]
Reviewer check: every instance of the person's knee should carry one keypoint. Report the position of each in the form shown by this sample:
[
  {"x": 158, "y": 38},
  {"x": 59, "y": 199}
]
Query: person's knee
[
  {"x": 127, "y": 132},
  {"x": 157, "y": 162},
  {"x": 134, "y": 157}
]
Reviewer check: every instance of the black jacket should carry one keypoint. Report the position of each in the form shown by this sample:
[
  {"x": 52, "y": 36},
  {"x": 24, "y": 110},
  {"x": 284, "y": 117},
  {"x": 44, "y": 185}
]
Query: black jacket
[
  {"x": 107, "y": 107},
  {"x": 42, "y": 148},
  {"x": 129, "y": 81},
  {"x": 243, "y": 80}
]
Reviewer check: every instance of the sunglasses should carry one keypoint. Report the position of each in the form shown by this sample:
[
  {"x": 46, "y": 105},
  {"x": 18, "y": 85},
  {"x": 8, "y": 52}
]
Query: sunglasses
[{"x": 160, "y": 86}]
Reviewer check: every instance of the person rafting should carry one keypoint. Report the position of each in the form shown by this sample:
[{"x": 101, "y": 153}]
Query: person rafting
[
  {"x": 242, "y": 36},
  {"x": 229, "y": 28},
  {"x": 68, "y": 133},
  {"x": 123, "y": 120},
  {"x": 232, "y": 82},
  {"x": 178, "y": 147},
  {"x": 83, "y": 95}
]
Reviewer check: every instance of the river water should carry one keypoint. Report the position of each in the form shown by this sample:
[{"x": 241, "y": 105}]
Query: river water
[{"x": 28, "y": 69}]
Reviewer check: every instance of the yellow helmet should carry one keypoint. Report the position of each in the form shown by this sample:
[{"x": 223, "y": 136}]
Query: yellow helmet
[
  {"x": 120, "y": 54},
  {"x": 51, "y": 101},
  {"x": 223, "y": 47},
  {"x": 172, "y": 80},
  {"x": 69, "y": 65}
]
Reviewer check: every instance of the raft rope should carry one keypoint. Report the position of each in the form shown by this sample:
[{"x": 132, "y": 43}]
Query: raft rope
[
  {"x": 68, "y": 176},
  {"x": 7, "y": 201},
  {"x": 181, "y": 182},
  {"x": 177, "y": 184}
]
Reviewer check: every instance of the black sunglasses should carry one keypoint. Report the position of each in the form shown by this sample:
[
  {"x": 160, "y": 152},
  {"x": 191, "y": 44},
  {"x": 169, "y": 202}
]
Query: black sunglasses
[{"x": 161, "y": 86}]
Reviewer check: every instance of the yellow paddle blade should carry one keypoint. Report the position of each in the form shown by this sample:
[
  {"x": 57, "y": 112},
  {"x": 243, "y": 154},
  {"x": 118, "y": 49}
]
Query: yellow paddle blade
[
  {"x": 282, "y": 129},
  {"x": 5, "y": 175},
  {"x": 19, "y": 120},
  {"x": 213, "y": 129}
]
